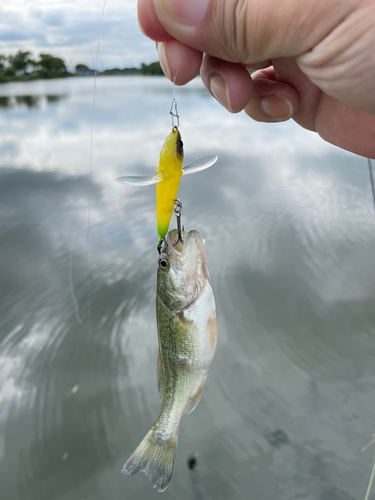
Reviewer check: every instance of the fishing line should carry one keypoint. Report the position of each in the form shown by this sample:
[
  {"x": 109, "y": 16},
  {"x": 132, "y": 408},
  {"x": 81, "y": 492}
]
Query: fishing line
[
  {"x": 91, "y": 164},
  {"x": 373, "y": 461},
  {"x": 372, "y": 181},
  {"x": 160, "y": 246},
  {"x": 74, "y": 299},
  {"x": 173, "y": 111}
]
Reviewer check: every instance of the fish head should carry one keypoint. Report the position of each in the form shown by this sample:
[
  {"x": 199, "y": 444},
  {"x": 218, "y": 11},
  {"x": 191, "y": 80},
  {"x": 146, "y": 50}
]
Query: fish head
[
  {"x": 182, "y": 272},
  {"x": 173, "y": 146}
]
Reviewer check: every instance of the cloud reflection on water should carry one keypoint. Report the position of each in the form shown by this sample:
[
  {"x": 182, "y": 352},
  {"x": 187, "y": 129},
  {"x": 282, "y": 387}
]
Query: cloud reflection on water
[{"x": 285, "y": 217}]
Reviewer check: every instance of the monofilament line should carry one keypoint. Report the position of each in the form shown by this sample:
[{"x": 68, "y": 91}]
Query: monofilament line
[
  {"x": 71, "y": 283},
  {"x": 372, "y": 181},
  {"x": 91, "y": 161},
  {"x": 373, "y": 465}
]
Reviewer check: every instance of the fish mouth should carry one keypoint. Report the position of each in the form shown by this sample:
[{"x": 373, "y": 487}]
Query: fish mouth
[
  {"x": 191, "y": 248},
  {"x": 178, "y": 247},
  {"x": 174, "y": 245}
]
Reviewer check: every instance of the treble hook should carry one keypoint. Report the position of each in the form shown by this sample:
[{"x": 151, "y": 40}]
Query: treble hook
[
  {"x": 173, "y": 111},
  {"x": 177, "y": 210}
]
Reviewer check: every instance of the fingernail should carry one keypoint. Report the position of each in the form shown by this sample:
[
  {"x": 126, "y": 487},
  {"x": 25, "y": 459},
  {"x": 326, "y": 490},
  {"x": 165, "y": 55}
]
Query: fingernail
[
  {"x": 161, "y": 46},
  {"x": 185, "y": 12},
  {"x": 220, "y": 90},
  {"x": 276, "y": 106}
]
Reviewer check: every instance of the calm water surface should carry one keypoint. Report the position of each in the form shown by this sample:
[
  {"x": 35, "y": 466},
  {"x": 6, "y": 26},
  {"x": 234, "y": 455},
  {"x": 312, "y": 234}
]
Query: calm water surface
[{"x": 290, "y": 242}]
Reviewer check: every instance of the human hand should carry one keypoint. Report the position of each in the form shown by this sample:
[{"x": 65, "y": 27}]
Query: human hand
[{"x": 314, "y": 61}]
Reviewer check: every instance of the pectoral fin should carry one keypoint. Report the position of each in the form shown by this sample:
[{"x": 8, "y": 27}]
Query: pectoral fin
[
  {"x": 140, "y": 180},
  {"x": 197, "y": 396},
  {"x": 198, "y": 165}
]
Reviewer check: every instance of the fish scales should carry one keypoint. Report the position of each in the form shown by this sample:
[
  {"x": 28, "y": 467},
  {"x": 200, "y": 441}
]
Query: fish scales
[{"x": 186, "y": 317}]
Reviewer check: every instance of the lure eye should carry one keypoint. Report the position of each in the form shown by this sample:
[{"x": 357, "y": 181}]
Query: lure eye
[
  {"x": 163, "y": 262},
  {"x": 180, "y": 148}
]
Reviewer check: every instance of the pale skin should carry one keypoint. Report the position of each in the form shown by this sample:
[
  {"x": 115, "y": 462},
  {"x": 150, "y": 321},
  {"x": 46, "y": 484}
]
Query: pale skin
[{"x": 314, "y": 60}]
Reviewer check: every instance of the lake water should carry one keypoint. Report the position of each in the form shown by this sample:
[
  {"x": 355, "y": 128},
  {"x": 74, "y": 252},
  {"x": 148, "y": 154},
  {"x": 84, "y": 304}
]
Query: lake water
[{"x": 290, "y": 241}]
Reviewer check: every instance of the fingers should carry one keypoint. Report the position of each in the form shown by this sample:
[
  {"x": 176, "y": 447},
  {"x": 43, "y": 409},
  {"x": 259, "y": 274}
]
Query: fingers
[
  {"x": 236, "y": 34},
  {"x": 337, "y": 123},
  {"x": 283, "y": 91},
  {"x": 171, "y": 56},
  {"x": 250, "y": 31},
  {"x": 229, "y": 83},
  {"x": 149, "y": 23},
  {"x": 271, "y": 101},
  {"x": 262, "y": 96}
]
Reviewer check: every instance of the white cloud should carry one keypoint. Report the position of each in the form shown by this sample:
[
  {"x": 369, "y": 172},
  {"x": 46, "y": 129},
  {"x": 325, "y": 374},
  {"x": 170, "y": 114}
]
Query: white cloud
[{"x": 71, "y": 30}]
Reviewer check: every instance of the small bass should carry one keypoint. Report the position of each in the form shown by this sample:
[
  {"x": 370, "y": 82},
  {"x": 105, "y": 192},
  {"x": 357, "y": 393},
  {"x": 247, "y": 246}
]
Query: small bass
[{"x": 186, "y": 319}]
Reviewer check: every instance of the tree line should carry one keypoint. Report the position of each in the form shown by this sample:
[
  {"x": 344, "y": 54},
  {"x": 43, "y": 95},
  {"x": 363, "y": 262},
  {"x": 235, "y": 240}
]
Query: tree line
[{"x": 22, "y": 66}]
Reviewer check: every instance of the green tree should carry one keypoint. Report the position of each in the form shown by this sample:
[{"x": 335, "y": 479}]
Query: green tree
[
  {"x": 152, "y": 69},
  {"x": 51, "y": 64},
  {"x": 2, "y": 62},
  {"x": 19, "y": 62},
  {"x": 82, "y": 67}
]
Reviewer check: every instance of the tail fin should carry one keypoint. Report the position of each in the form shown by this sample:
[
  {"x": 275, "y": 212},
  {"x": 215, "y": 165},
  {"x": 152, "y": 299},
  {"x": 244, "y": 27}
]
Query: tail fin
[{"x": 155, "y": 457}]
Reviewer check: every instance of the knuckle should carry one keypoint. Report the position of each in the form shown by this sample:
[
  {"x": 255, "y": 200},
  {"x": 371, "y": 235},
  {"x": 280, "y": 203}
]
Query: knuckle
[
  {"x": 234, "y": 21},
  {"x": 240, "y": 23},
  {"x": 239, "y": 31}
]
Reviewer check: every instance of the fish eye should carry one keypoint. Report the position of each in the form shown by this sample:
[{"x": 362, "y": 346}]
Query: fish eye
[
  {"x": 163, "y": 261},
  {"x": 180, "y": 144}
]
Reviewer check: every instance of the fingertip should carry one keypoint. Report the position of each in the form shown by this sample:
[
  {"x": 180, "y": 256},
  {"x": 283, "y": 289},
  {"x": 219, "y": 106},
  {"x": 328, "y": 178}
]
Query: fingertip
[
  {"x": 180, "y": 63},
  {"x": 161, "y": 48},
  {"x": 277, "y": 106},
  {"x": 271, "y": 101},
  {"x": 149, "y": 23},
  {"x": 229, "y": 83},
  {"x": 240, "y": 87}
]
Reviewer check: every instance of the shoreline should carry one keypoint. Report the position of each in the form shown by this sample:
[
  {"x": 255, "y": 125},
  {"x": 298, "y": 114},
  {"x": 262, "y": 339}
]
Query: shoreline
[{"x": 38, "y": 78}]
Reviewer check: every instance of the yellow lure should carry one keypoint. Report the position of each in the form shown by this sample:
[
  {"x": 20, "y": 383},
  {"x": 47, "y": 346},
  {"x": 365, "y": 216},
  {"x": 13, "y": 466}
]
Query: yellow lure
[
  {"x": 167, "y": 178},
  {"x": 170, "y": 171}
]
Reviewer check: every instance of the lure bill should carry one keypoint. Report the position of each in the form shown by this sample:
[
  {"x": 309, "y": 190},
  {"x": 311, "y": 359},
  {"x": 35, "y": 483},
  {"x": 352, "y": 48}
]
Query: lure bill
[
  {"x": 167, "y": 178},
  {"x": 186, "y": 320}
]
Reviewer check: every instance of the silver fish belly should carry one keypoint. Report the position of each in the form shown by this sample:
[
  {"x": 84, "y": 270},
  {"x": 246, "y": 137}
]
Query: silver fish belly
[{"x": 186, "y": 317}]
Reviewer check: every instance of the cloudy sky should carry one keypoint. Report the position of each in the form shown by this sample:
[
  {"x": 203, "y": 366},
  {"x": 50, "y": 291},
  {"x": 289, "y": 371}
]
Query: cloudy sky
[{"x": 70, "y": 29}]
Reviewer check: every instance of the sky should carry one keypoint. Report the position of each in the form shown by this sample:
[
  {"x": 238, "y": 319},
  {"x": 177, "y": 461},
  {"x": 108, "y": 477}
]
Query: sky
[{"x": 70, "y": 29}]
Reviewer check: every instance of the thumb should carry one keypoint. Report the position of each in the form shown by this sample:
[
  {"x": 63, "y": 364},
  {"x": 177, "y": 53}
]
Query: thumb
[{"x": 250, "y": 31}]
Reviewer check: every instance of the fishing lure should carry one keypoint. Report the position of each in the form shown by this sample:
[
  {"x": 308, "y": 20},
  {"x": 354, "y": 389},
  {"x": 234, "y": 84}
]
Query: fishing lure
[{"x": 168, "y": 175}]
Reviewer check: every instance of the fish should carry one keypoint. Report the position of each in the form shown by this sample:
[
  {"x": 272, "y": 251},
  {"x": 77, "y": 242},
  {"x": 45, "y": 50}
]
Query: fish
[
  {"x": 186, "y": 324},
  {"x": 167, "y": 178}
]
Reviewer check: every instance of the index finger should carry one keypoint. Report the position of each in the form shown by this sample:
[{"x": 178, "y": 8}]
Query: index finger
[{"x": 149, "y": 23}]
